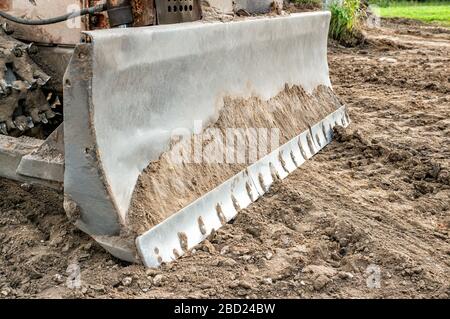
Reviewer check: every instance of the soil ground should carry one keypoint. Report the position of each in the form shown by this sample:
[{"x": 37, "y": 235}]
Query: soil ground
[{"x": 367, "y": 217}]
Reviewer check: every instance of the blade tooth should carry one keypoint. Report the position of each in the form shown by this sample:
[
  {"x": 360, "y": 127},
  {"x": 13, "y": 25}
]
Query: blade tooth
[
  {"x": 42, "y": 81},
  {"x": 56, "y": 103},
  {"x": 50, "y": 114},
  {"x": 262, "y": 184},
  {"x": 16, "y": 86},
  {"x": 183, "y": 241},
  {"x": 21, "y": 123},
  {"x": 10, "y": 124},
  {"x": 235, "y": 203},
  {"x": 43, "y": 118},
  {"x": 20, "y": 126},
  {"x": 221, "y": 215},
  {"x": 249, "y": 192},
  {"x": 201, "y": 225},
  {"x": 274, "y": 172},
  {"x": 35, "y": 115},
  {"x": 30, "y": 123}
]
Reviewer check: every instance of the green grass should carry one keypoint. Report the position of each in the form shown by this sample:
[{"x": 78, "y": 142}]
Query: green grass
[{"x": 438, "y": 12}]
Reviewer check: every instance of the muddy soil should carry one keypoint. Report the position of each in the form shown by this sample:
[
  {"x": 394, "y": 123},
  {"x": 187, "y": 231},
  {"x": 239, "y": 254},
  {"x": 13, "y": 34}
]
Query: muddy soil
[{"x": 367, "y": 217}]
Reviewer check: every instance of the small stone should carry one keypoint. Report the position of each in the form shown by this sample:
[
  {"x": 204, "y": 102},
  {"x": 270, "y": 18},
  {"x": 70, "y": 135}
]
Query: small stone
[
  {"x": 421, "y": 284},
  {"x": 58, "y": 278},
  {"x": 99, "y": 288},
  {"x": 35, "y": 275},
  {"x": 152, "y": 272},
  {"x": 224, "y": 250},
  {"x": 234, "y": 284},
  {"x": 208, "y": 247},
  {"x": 254, "y": 231},
  {"x": 26, "y": 187},
  {"x": 158, "y": 280},
  {"x": 229, "y": 262},
  {"x": 267, "y": 281},
  {"x": 320, "y": 282},
  {"x": 55, "y": 242},
  {"x": 388, "y": 60},
  {"x": 245, "y": 284},
  {"x": 206, "y": 285},
  {"x": 127, "y": 281},
  {"x": 345, "y": 275},
  {"x": 343, "y": 242},
  {"x": 82, "y": 257},
  {"x": 417, "y": 270},
  {"x": 269, "y": 255}
]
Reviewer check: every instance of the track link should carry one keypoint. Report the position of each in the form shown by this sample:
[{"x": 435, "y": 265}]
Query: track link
[{"x": 23, "y": 103}]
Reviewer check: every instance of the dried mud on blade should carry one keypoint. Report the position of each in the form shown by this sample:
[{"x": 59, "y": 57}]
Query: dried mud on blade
[{"x": 171, "y": 130}]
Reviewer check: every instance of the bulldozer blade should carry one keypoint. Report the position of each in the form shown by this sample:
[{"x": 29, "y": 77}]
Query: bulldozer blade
[
  {"x": 126, "y": 93},
  {"x": 183, "y": 231}
]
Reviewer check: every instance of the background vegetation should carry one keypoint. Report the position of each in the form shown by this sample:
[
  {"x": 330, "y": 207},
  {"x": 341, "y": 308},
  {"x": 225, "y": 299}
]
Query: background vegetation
[
  {"x": 427, "y": 11},
  {"x": 345, "y": 21}
]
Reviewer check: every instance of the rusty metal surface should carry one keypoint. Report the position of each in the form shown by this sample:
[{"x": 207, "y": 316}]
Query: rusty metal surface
[
  {"x": 144, "y": 12},
  {"x": 53, "y": 61},
  {"x": 176, "y": 11},
  {"x": 60, "y": 33},
  {"x": 5, "y": 4},
  {"x": 119, "y": 13}
]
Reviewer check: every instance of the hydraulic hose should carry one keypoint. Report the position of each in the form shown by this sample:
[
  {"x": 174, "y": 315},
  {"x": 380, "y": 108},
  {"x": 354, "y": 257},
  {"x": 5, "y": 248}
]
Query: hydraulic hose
[{"x": 68, "y": 16}]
